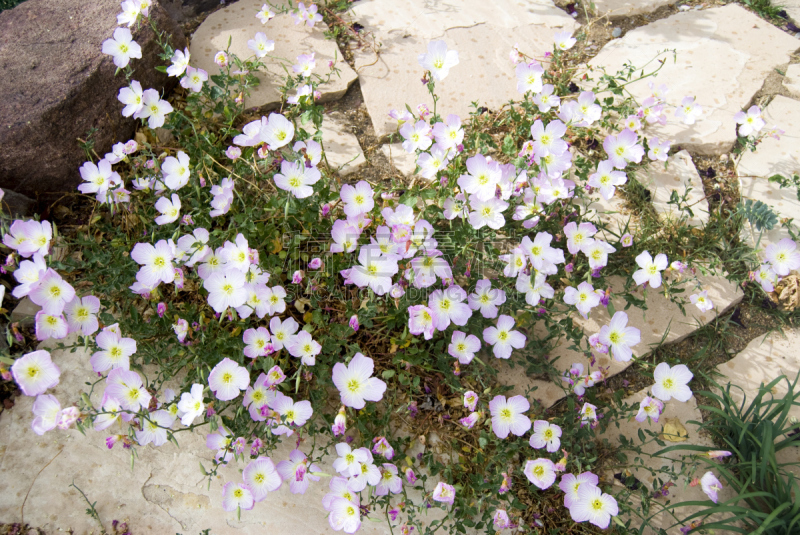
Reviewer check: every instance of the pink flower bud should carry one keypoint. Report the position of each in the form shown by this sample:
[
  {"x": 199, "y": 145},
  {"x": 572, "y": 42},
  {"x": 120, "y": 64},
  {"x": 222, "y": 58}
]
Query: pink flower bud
[
  {"x": 315, "y": 263},
  {"x": 161, "y": 309},
  {"x": 354, "y": 322},
  {"x": 297, "y": 278},
  {"x": 233, "y": 152}
]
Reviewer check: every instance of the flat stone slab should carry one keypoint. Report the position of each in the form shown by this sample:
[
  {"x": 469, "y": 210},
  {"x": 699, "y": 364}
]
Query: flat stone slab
[
  {"x": 403, "y": 162},
  {"x": 341, "y": 146},
  {"x": 681, "y": 177},
  {"x": 774, "y": 157},
  {"x": 662, "y": 321},
  {"x": 724, "y": 55},
  {"x": 164, "y": 493},
  {"x": 685, "y": 413},
  {"x": 792, "y": 8},
  {"x": 482, "y": 33},
  {"x": 239, "y": 23},
  {"x": 626, "y": 8},
  {"x": 791, "y": 80},
  {"x": 763, "y": 360}
]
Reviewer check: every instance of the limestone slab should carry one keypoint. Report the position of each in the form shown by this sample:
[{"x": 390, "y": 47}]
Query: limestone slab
[
  {"x": 165, "y": 492},
  {"x": 723, "y": 56},
  {"x": 792, "y": 8},
  {"x": 404, "y": 162},
  {"x": 662, "y": 321},
  {"x": 679, "y": 176},
  {"x": 774, "y": 157},
  {"x": 626, "y": 8},
  {"x": 482, "y": 33},
  {"x": 763, "y": 360},
  {"x": 342, "y": 150},
  {"x": 791, "y": 80},
  {"x": 685, "y": 412},
  {"x": 238, "y": 22}
]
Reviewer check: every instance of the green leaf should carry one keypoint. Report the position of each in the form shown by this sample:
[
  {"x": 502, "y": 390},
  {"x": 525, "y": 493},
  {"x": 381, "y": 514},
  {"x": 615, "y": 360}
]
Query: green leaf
[{"x": 388, "y": 374}]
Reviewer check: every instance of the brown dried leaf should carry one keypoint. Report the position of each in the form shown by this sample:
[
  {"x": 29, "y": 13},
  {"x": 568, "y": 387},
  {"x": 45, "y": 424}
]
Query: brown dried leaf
[
  {"x": 787, "y": 293},
  {"x": 673, "y": 431}
]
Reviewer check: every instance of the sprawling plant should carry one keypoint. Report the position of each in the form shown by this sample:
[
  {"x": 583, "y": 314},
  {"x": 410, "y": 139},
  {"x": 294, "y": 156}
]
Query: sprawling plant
[{"x": 227, "y": 280}]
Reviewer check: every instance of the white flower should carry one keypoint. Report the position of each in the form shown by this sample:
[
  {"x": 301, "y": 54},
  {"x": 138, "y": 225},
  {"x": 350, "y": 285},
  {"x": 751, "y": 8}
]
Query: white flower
[
  {"x": 438, "y": 60},
  {"x": 503, "y": 338},
  {"x": 156, "y": 262},
  {"x": 651, "y": 269},
  {"x": 170, "y": 209},
  {"x": 618, "y": 336},
  {"x": 261, "y": 46},
  {"x": 226, "y": 289},
  {"x": 487, "y": 213},
  {"x": 783, "y": 256},
  {"x": 546, "y": 435},
  {"x": 541, "y": 472},
  {"x": 154, "y": 109},
  {"x": 122, "y": 47},
  {"x": 672, "y": 382},
  {"x": 564, "y": 40},
  {"x": 702, "y": 301},
  {"x": 689, "y": 110},
  {"x": 191, "y": 404},
  {"x": 750, "y": 122},
  {"x": 180, "y": 61},
  {"x": 194, "y": 79},
  {"x": 131, "y": 96}
]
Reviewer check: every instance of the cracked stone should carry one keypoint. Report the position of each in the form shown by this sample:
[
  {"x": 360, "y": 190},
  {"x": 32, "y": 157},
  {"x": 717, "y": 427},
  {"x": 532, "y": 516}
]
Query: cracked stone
[
  {"x": 663, "y": 321},
  {"x": 482, "y": 33},
  {"x": 342, "y": 149},
  {"x": 238, "y": 22},
  {"x": 680, "y": 177},
  {"x": 773, "y": 157},
  {"x": 791, "y": 80},
  {"x": 404, "y": 162},
  {"x": 763, "y": 360},
  {"x": 626, "y": 8},
  {"x": 723, "y": 56}
]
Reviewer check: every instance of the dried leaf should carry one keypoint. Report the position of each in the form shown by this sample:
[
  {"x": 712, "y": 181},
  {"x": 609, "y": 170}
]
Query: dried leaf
[
  {"x": 787, "y": 293},
  {"x": 673, "y": 431}
]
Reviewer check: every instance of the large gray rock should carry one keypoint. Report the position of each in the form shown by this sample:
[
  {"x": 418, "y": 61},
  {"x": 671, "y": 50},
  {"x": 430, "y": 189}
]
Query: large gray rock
[
  {"x": 183, "y": 10},
  {"x": 57, "y": 85}
]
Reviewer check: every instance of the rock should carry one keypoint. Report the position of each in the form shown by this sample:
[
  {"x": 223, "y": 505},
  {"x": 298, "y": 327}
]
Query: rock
[
  {"x": 341, "y": 146},
  {"x": 402, "y": 161},
  {"x": 663, "y": 321},
  {"x": 688, "y": 415},
  {"x": 792, "y": 8},
  {"x": 25, "y": 311},
  {"x": 164, "y": 492},
  {"x": 626, "y": 8},
  {"x": 57, "y": 85},
  {"x": 483, "y": 33},
  {"x": 792, "y": 80},
  {"x": 763, "y": 360},
  {"x": 183, "y": 10},
  {"x": 724, "y": 55},
  {"x": 680, "y": 176},
  {"x": 238, "y": 22},
  {"x": 773, "y": 157},
  {"x": 17, "y": 205}
]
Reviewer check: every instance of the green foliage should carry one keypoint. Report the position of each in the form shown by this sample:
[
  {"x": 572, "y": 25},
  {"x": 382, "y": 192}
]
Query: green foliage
[
  {"x": 759, "y": 214},
  {"x": 8, "y": 4}
]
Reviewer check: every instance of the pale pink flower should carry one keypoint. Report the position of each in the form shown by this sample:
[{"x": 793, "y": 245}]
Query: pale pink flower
[
  {"x": 156, "y": 262},
  {"x": 265, "y": 14},
  {"x": 228, "y": 379},
  {"x": 541, "y": 472},
  {"x": 583, "y": 297},
  {"x": 570, "y": 484},
  {"x": 261, "y": 477},
  {"x": 508, "y": 416},
  {"x": 711, "y": 485},
  {"x": 623, "y": 148},
  {"x": 35, "y": 373},
  {"x": 651, "y": 269},
  {"x": 416, "y": 136},
  {"x": 122, "y": 47},
  {"x": 355, "y": 382},
  {"x": 298, "y": 471},
  {"x": 463, "y": 346},
  {"x": 783, "y": 256},
  {"x": 595, "y": 506},
  {"x": 191, "y": 404},
  {"x": 470, "y": 400},
  {"x": 546, "y": 435},
  {"x": 702, "y": 301},
  {"x": 132, "y": 96},
  {"x": 547, "y": 140},
  {"x": 50, "y": 326},
  {"x": 579, "y": 236},
  {"x": 597, "y": 252},
  {"x": 304, "y": 347},
  {"x": 482, "y": 178},
  {"x": 659, "y": 150},
  {"x": 373, "y": 270},
  {"x": 529, "y": 77},
  {"x": 237, "y": 496},
  {"x": 154, "y": 109},
  {"x": 588, "y": 414},
  {"x": 154, "y": 428},
  {"x": 52, "y": 293},
  {"x": 115, "y": 351},
  {"x": 486, "y": 299},
  {"x": 47, "y": 412},
  {"x": 444, "y": 493},
  {"x": 649, "y": 408},
  {"x": 82, "y": 314},
  {"x": 620, "y": 337},
  {"x": 260, "y": 45},
  {"x": 127, "y": 388},
  {"x": 563, "y": 40},
  {"x": 447, "y": 306},
  {"x": 305, "y": 64},
  {"x": 689, "y": 110},
  {"x": 282, "y": 331},
  {"x": 439, "y": 60},
  {"x": 358, "y": 199},
  {"x": 470, "y": 420},
  {"x": 226, "y": 289},
  {"x": 390, "y": 481},
  {"x": 543, "y": 257},
  {"x": 487, "y": 213},
  {"x": 345, "y": 515},
  {"x": 503, "y": 338},
  {"x": 180, "y": 61},
  {"x": 257, "y": 341},
  {"x": 297, "y": 179},
  {"x": 672, "y": 382},
  {"x": 176, "y": 170}
]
